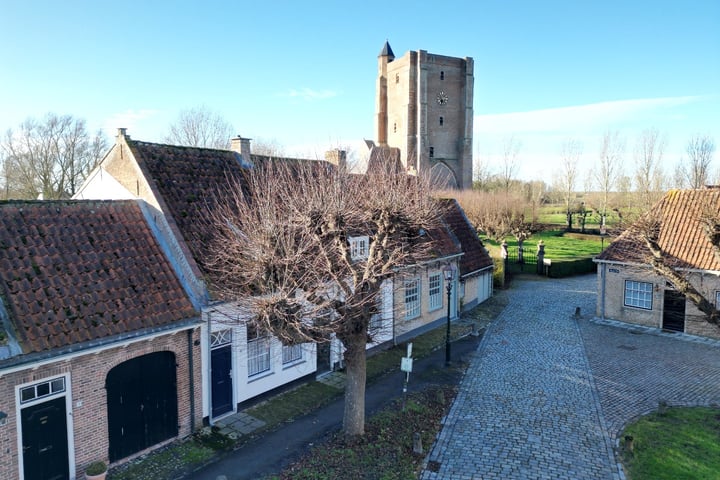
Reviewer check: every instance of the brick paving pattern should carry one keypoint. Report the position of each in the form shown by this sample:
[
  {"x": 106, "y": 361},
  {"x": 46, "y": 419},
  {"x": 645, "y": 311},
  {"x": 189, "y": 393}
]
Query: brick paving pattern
[{"x": 547, "y": 394}]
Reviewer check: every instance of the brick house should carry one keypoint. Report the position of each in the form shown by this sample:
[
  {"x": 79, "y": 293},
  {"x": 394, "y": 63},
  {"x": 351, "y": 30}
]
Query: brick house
[
  {"x": 630, "y": 291},
  {"x": 179, "y": 183},
  {"x": 99, "y": 353}
]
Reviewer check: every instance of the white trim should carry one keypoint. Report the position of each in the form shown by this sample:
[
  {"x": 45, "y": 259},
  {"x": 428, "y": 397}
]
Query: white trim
[
  {"x": 95, "y": 350},
  {"x": 68, "y": 420}
]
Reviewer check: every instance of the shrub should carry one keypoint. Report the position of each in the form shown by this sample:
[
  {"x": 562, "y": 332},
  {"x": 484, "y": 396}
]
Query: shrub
[
  {"x": 567, "y": 268},
  {"x": 96, "y": 468}
]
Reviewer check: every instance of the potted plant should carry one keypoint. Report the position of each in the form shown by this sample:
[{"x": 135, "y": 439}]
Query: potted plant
[{"x": 96, "y": 471}]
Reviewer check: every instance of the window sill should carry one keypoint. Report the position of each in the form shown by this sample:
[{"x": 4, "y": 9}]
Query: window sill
[
  {"x": 292, "y": 364},
  {"x": 260, "y": 376}
]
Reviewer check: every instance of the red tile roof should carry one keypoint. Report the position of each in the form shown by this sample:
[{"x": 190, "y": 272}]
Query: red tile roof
[
  {"x": 74, "y": 271},
  {"x": 681, "y": 235},
  {"x": 475, "y": 257}
]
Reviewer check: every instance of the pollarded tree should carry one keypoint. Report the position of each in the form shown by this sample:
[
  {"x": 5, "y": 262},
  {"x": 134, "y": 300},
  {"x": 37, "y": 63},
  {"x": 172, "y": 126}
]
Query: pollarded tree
[
  {"x": 570, "y": 156},
  {"x": 284, "y": 250}
]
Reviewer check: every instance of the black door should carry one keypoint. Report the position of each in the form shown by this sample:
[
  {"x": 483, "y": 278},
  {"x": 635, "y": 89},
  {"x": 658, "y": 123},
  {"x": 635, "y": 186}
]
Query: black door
[
  {"x": 221, "y": 366},
  {"x": 674, "y": 311},
  {"x": 44, "y": 439},
  {"x": 323, "y": 358},
  {"x": 142, "y": 403}
]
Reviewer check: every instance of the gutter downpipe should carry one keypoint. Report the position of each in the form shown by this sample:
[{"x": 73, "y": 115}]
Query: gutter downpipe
[
  {"x": 209, "y": 356},
  {"x": 191, "y": 369}
]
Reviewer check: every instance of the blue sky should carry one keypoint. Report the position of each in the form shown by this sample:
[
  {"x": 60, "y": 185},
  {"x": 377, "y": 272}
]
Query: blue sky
[{"x": 303, "y": 73}]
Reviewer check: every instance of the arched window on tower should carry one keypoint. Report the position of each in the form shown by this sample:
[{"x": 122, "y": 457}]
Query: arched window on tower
[
  {"x": 432, "y": 152},
  {"x": 442, "y": 75},
  {"x": 442, "y": 121},
  {"x": 394, "y": 127},
  {"x": 397, "y": 78}
]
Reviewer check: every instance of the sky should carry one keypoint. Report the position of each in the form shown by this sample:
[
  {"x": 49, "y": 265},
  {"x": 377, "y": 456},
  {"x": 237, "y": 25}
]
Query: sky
[{"x": 303, "y": 74}]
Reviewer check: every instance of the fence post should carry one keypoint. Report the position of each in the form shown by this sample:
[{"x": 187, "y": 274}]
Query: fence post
[
  {"x": 504, "y": 255},
  {"x": 540, "y": 257}
]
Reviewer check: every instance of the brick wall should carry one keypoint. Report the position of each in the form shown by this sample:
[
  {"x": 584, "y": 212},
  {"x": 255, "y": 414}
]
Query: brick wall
[{"x": 88, "y": 404}]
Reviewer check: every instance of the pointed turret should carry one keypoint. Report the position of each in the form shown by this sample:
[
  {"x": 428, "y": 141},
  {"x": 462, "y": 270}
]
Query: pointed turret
[{"x": 387, "y": 52}]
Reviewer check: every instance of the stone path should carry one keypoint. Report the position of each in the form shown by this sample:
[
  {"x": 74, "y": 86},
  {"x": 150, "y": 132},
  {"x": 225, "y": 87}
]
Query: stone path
[{"x": 547, "y": 394}]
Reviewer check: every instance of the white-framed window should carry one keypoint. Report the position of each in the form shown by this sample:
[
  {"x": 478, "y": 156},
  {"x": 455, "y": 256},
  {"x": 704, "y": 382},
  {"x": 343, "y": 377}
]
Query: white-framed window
[
  {"x": 359, "y": 248},
  {"x": 42, "y": 389},
  {"x": 292, "y": 353},
  {"x": 717, "y": 300},
  {"x": 435, "y": 291},
  {"x": 412, "y": 298},
  {"x": 258, "y": 355},
  {"x": 638, "y": 294},
  {"x": 220, "y": 338}
]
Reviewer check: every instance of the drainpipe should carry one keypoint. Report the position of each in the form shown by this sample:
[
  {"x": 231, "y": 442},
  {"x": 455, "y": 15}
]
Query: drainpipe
[
  {"x": 191, "y": 379},
  {"x": 209, "y": 365}
]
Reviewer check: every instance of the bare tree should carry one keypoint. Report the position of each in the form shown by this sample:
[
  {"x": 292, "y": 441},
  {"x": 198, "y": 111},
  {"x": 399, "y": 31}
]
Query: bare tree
[
  {"x": 700, "y": 150},
  {"x": 497, "y": 215},
  {"x": 50, "y": 157},
  {"x": 268, "y": 147},
  {"x": 284, "y": 250},
  {"x": 609, "y": 168},
  {"x": 649, "y": 152},
  {"x": 509, "y": 161},
  {"x": 570, "y": 156},
  {"x": 200, "y": 127},
  {"x": 481, "y": 173}
]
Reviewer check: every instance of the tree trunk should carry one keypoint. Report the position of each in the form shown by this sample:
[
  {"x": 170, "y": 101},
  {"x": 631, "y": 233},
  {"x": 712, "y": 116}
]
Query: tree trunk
[{"x": 355, "y": 368}]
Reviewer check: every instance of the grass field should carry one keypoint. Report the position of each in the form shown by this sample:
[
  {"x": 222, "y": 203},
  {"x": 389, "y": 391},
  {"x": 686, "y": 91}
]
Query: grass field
[
  {"x": 680, "y": 444},
  {"x": 558, "y": 245}
]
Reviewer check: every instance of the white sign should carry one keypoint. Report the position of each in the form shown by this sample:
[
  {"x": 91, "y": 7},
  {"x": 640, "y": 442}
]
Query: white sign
[{"x": 406, "y": 364}]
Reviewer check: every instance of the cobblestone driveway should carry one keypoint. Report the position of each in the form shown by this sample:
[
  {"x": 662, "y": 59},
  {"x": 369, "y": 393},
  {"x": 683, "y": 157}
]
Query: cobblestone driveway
[{"x": 529, "y": 406}]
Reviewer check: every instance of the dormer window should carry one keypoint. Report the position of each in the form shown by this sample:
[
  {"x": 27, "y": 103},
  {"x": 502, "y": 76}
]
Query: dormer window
[{"x": 359, "y": 248}]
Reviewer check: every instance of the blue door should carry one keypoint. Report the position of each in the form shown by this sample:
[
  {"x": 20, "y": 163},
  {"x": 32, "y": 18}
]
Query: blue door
[{"x": 221, "y": 366}]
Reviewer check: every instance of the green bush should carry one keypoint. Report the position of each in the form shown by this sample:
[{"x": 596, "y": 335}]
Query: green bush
[
  {"x": 499, "y": 273},
  {"x": 570, "y": 267}
]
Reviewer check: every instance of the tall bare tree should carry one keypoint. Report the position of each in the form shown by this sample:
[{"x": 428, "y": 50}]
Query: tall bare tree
[
  {"x": 609, "y": 168},
  {"x": 509, "y": 163},
  {"x": 50, "y": 157},
  {"x": 200, "y": 127},
  {"x": 700, "y": 150},
  {"x": 649, "y": 151},
  {"x": 570, "y": 153},
  {"x": 284, "y": 250}
]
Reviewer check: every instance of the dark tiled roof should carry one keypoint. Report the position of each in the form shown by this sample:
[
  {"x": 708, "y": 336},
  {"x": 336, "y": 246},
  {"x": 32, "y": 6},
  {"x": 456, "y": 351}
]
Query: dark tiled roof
[
  {"x": 74, "y": 271},
  {"x": 681, "y": 234},
  {"x": 387, "y": 51},
  {"x": 188, "y": 179},
  {"x": 475, "y": 257}
]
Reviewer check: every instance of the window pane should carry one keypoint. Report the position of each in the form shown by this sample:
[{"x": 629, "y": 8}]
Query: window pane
[
  {"x": 27, "y": 393},
  {"x": 638, "y": 294},
  {"x": 435, "y": 291},
  {"x": 412, "y": 299}
]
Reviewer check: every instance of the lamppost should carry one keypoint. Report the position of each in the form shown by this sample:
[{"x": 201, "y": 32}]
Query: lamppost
[{"x": 449, "y": 274}]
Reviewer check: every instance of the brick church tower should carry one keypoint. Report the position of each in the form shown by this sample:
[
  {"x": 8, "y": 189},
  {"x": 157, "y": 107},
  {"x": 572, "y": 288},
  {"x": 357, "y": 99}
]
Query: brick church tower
[{"x": 424, "y": 107}]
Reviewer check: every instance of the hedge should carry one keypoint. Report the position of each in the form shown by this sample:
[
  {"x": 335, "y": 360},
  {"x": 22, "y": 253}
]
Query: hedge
[{"x": 567, "y": 268}]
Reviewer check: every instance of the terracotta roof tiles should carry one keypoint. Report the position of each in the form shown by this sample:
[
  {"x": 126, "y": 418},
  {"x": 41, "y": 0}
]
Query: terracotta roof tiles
[
  {"x": 475, "y": 257},
  {"x": 74, "y": 271}
]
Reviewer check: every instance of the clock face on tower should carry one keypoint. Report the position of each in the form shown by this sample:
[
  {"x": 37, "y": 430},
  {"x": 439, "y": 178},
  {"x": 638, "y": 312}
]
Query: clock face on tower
[{"x": 442, "y": 98}]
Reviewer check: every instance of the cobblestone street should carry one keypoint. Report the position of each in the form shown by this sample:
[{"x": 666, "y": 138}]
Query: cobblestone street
[{"x": 530, "y": 407}]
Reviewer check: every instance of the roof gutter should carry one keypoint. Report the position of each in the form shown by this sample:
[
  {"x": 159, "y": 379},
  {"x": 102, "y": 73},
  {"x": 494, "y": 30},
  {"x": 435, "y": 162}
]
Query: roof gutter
[
  {"x": 39, "y": 359},
  {"x": 480, "y": 270}
]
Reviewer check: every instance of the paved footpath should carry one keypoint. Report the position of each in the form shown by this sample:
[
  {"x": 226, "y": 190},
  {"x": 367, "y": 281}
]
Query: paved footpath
[
  {"x": 547, "y": 395},
  {"x": 527, "y": 407}
]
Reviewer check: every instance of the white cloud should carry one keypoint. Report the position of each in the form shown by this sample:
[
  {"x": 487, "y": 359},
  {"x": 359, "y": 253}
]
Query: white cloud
[
  {"x": 309, "y": 94},
  {"x": 579, "y": 118}
]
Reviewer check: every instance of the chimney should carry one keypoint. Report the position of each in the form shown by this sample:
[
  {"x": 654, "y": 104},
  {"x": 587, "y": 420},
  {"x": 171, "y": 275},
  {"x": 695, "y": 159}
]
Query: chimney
[
  {"x": 122, "y": 133},
  {"x": 242, "y": 146},
  {"x": 337, "y": 157}
]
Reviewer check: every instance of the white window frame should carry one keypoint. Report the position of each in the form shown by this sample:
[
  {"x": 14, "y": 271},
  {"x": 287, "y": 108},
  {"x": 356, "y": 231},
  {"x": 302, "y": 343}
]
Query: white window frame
[
  {"x": 435, "y": 284},
  {"x": 359, "y": 247},
  {"x": 292, "y": 353},
  {"x": 412, "y": 298},
  {"x": 717, "y": 299},
  {"x": 258, "y": 356},
  {"x": 638, "y": 294}
]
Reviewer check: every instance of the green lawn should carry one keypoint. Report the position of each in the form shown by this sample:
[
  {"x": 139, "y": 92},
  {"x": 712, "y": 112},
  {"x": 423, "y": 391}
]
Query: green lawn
[
  {"x": 558, "y": 245},
  {"x": 680, "y": 444}
]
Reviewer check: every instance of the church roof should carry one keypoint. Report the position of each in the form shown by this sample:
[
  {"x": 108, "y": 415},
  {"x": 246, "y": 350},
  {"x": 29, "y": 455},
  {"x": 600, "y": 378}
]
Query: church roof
[{"x": 387, "y": 51}]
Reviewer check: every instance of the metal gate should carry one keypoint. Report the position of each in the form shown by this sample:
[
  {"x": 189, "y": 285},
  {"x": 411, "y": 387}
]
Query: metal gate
[{"x": 142, "y": 403}]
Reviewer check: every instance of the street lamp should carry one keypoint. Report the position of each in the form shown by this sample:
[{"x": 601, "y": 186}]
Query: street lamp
[{"x": 449, "y": 274}]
